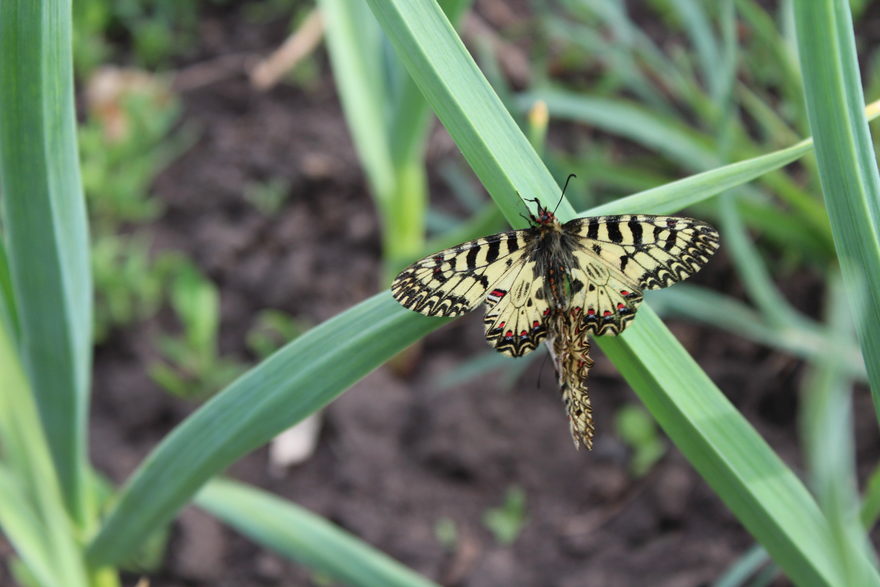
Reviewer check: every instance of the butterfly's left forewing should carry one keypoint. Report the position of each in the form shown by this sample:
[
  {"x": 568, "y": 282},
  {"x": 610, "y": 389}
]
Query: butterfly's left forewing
[{"x": 456, "y": 280}]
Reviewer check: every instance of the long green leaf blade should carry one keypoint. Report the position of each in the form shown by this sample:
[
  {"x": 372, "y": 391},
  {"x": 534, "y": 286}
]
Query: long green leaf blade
[
  {"x": 32, "y": 513},
  {"x": 847, "y": 167},
  {"x": 421, "y": 37},
  {"x": 296, "y": 381},
  {"x": 44, "y": 219},
  {"x": 298, "y": 534},
  {"x": 468, "y": 107},
  {"x": 755, "y": 484}
]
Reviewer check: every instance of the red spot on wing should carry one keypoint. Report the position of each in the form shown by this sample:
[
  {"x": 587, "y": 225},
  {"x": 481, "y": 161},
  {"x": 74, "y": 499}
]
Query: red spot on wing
[
  {"x": 591, "y": 311},
  {"x": 509, "y": 333},
  {"x": 535, "y": 324},
  {"x": 606, "y": 313},
  {"x": 498, "y": 293},
  {"x": 624, "y": 292},
  {"x": 620, "y": 305}
]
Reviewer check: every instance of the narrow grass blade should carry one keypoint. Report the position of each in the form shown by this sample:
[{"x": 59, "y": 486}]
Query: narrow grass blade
[
  {"x": 300, "y": 535},
  {"x": 765, "y": 495},
  {"x": 802, "y": 338},
  {"x": 355, "y": 46},
  {"x": 44, "y": 219},
  {"x": 466, "y": 105},
  {"x": 672, "y": 197},
  {"x": 8, "y": 311},
  {"x": 827, "y": 436},
  {"x": 296, "y": 381},
  {"x": 32, "y": 513},
  {"x": 676, "y": 195},
  {"x": 746, "y": 566},
  {"x": 847, "y": 164},
  {"x": 676, "y": 141}
]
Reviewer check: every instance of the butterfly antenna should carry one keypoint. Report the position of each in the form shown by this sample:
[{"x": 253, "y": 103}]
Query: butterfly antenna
[{"x": 565, "y": 187}]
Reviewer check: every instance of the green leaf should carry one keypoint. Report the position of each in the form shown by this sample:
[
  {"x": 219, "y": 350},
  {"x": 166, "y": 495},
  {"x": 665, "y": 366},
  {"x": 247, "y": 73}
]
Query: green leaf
[
  {"x": 661, "y": 133},
  {"x": 294, "y": 382},
  {"x": 753, "y": 482},
  {"x": 826, "y": 427},
  {"x": 300, "y": 535},
  {"x": 507, "y": 520},
  {"x": 672, "y": 197},
  {"x": 847, "y": 164},
  {"x": 389, "y": 121},
  {"x": 475, "y": 117},
  {"x": 44, "y": 219},
  {"x": 32, "y": 513}
]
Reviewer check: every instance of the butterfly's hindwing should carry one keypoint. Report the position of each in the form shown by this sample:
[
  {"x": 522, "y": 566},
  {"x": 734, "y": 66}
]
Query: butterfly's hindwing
[
  {"x": 455, "y": 281},
  {"x": 607, "y": 300},
  {"x": 517, "y": 311}
]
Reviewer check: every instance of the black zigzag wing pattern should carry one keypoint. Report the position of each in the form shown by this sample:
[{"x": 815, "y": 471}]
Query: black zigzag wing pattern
[
  {"x": 456, "y": 280},
  {"x": 559, "y": 283},
  {"x": 619, "y": 256}
]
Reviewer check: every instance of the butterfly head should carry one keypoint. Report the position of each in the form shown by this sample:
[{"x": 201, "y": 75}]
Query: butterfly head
[{"x": 544, "y": 217}]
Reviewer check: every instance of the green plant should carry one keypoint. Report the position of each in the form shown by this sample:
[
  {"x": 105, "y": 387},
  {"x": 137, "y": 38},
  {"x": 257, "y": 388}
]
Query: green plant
[
  {"x": 388, "y": 119},
  {"x": 125, "y": 142},
  {"x": 156, "y": 29},
  {"x": 48, "y": 510},
  {"x": 127, "y": 286},
  {"x": 191, "y": 365},
  {"x": 506, "y": 521},
  {"x": 271, "y": 330},
  {"x": 636, "y": 428},
  {"x": 268, "y": 196},
  {"x": 446, "y": 532}
]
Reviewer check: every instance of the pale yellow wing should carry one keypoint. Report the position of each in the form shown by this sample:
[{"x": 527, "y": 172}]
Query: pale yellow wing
[
  {"x": 516, "y": 311},
  {"x": 620, "y": 256},
  {"x": 455, "y": 281}
]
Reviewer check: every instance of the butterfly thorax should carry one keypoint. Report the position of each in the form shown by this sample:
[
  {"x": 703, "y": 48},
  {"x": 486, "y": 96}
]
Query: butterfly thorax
[{"x": 551, "y": 248}]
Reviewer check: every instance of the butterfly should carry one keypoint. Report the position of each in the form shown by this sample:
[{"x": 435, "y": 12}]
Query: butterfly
[{"x": 590, "y": 270}]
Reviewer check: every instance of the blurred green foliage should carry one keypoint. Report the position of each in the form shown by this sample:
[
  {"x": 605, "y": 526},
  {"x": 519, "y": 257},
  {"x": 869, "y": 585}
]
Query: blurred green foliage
[
  {"x": 637, "y": 429},
  {"x": 124, "y": 143},
  {"x": 446, "y": 533},
  {"x": 191, "y": 365},
  {"x": 153, "y": 30},
  {"x": 507, "y": 520}
]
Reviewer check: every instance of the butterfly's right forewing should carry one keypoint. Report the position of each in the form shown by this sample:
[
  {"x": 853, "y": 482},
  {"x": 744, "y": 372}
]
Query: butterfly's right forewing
[{"x": 456, "y": 280}]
